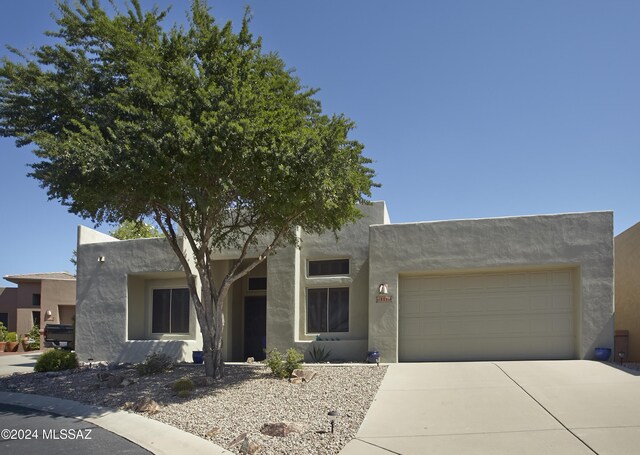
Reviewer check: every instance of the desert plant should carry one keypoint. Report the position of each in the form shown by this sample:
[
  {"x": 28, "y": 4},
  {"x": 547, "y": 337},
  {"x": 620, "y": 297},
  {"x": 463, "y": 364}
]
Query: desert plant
[
  {"x": 56, "y": 360},
  {"x": 283, "y": 368},
  {"x": 3, "y": 332},
  {"x": 34, "y": 338},
  {"x": 318, "y": 353},
  {"x": 155, "y": 363},
  {"x": 183, "y": 387}
]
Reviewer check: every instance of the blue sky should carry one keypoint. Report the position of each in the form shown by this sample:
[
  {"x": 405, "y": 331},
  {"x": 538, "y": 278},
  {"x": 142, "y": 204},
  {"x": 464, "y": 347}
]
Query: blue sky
[{"x": 470, "y": 109}]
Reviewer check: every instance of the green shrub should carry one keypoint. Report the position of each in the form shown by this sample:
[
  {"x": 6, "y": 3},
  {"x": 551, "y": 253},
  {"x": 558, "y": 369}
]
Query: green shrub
[
  {"x": 12, "y": 337},
  {"x": 318, "y": 353},
  {"x": 56, "y": 360},
  {"x": 155, "y": 363},
  {"x": 283, "y": 368},
  {"x": 34, "y": 338},
  {"x": 183, "y": 387}
]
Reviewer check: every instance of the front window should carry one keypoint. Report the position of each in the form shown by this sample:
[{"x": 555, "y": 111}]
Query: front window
[
  {"x": 170, "y": 312},
  {"x": 257, "y": 284},
  {"x": 327, "y": 310},
  {"x": 35, "y": 299},
  {"x": 329, "y": 267}
]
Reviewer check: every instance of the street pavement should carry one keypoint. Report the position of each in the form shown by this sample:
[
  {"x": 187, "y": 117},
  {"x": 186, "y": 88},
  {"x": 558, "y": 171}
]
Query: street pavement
[{"x": 24, "y": 430}]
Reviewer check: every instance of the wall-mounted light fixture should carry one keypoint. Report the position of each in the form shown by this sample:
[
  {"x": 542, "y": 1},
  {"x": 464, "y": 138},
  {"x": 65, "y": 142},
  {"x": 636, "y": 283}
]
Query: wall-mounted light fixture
[
  {"x": 383, "y": 293},
  {"x": 100, "y": 258},
  {"x": 48, "y": 316}
]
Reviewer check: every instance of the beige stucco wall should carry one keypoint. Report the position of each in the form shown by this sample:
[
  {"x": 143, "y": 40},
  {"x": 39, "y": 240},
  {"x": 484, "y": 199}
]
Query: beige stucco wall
[
  {"x": 627, "y": 287},
  {"x": 288, "y": 283},
  {"x": 18, "y": 302},
  {"x": 583, "y": 241},
  {"x": 103, "y": 288},
  {"x": 56, "y": 294},
  {"x": 113, "y": 296},
  {"x": 8, "y": 304},
  {"x": 25, "y": 306}
]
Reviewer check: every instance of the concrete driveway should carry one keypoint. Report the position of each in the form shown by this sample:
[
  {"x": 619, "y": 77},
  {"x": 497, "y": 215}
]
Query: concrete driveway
[
  {"x": 18, "y": 362},
  {"x": 544, "y": 407}
]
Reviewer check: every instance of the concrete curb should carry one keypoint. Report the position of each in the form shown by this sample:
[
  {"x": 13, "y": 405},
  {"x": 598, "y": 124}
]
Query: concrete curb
[{"x": 149, "y": 434}]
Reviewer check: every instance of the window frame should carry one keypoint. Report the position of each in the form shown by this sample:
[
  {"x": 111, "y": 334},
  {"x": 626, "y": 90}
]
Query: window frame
[
  {"x": 325, "y": 275},
  {"x": 171, "y": 295},
  {"x": 156, "y": 284},
  {"x": 327, "y": 304}
]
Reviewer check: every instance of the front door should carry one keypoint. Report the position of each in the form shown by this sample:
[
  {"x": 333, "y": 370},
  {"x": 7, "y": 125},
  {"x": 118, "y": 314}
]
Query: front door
[{"x": 255, "y": 327}]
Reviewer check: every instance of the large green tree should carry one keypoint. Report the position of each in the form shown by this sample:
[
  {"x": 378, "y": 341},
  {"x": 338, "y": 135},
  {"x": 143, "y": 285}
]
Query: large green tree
[
  {"x": 195, "y": 127},
  {"x": 138, "y": 229}
]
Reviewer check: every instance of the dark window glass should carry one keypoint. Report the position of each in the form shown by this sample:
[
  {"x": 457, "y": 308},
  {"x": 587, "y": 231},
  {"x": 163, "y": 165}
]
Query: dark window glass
[
  {"x": 257, "y": 284},
  {"x": 4, "y": 318},
  {"x": 339, "y": 310},
  {"x": 35, "y": 299},
  {"x": 161, "y": 311},
  {"x": 179, "y": 311},
  {"x": 317, "y": 310},
  {"x": 170, "y": 311},
  {"x": 330, "y": 267},
  {"x": 328, "y": 310}
]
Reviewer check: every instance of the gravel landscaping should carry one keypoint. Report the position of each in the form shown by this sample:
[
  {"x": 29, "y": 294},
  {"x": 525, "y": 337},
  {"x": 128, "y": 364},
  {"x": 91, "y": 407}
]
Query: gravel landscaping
[{"x": 232, "y": 411}]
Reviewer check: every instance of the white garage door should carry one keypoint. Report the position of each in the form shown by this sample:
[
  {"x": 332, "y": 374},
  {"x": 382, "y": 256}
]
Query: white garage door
[{"x": 497, "y": 316}]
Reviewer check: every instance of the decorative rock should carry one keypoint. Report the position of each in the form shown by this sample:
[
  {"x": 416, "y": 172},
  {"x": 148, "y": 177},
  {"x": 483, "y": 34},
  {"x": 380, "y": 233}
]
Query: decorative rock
[
  {"x": 250, "y": 360},
  {"x": 147, "y": 405},
  {"x": 246, "y": 398},
  {"x": 238, "y": 440},
  {"x": 293, "y": 380},
  {"x": 212, "y": 432},
  {"x": 281, "y": 429},
  {"x": 115, "y": 381},
  {"x": 250, "y": 447},
  {"x": 53, "y": 374},
  {"x": 104, "y": 376},
  {"x": 305, "y": 375},
  {"x": 202, "y": 381},
  {"x": 118, "y": 366}
]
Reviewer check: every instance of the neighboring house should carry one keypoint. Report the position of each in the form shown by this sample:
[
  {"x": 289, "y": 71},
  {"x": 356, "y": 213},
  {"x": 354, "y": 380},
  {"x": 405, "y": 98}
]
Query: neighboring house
[
  {"x": 532, "y": 287},
  {"x": 627, "y": 288},
  {"x": 40, "y": 298}
]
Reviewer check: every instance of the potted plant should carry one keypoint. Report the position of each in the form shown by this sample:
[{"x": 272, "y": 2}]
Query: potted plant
[
  {"x": 31, "y": 340},
  {"x": 24, "y": 341},
  {"x": 198, "y": 357},
  {"x": 3, "y": 337},
  {"x": 34, "y": 338},
  {"x": 12, "y": 342}
]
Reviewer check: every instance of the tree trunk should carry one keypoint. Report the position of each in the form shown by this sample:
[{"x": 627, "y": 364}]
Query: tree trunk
[
  {"x": 213, "y": 357},
  {"x": 212, "y": 333}
]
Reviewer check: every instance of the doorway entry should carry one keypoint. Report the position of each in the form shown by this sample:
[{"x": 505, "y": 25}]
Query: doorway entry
[{"x": 255, "y": 327}]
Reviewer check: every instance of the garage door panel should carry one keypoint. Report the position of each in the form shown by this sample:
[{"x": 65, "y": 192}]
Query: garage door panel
[{"x": 524, "y": 315}]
